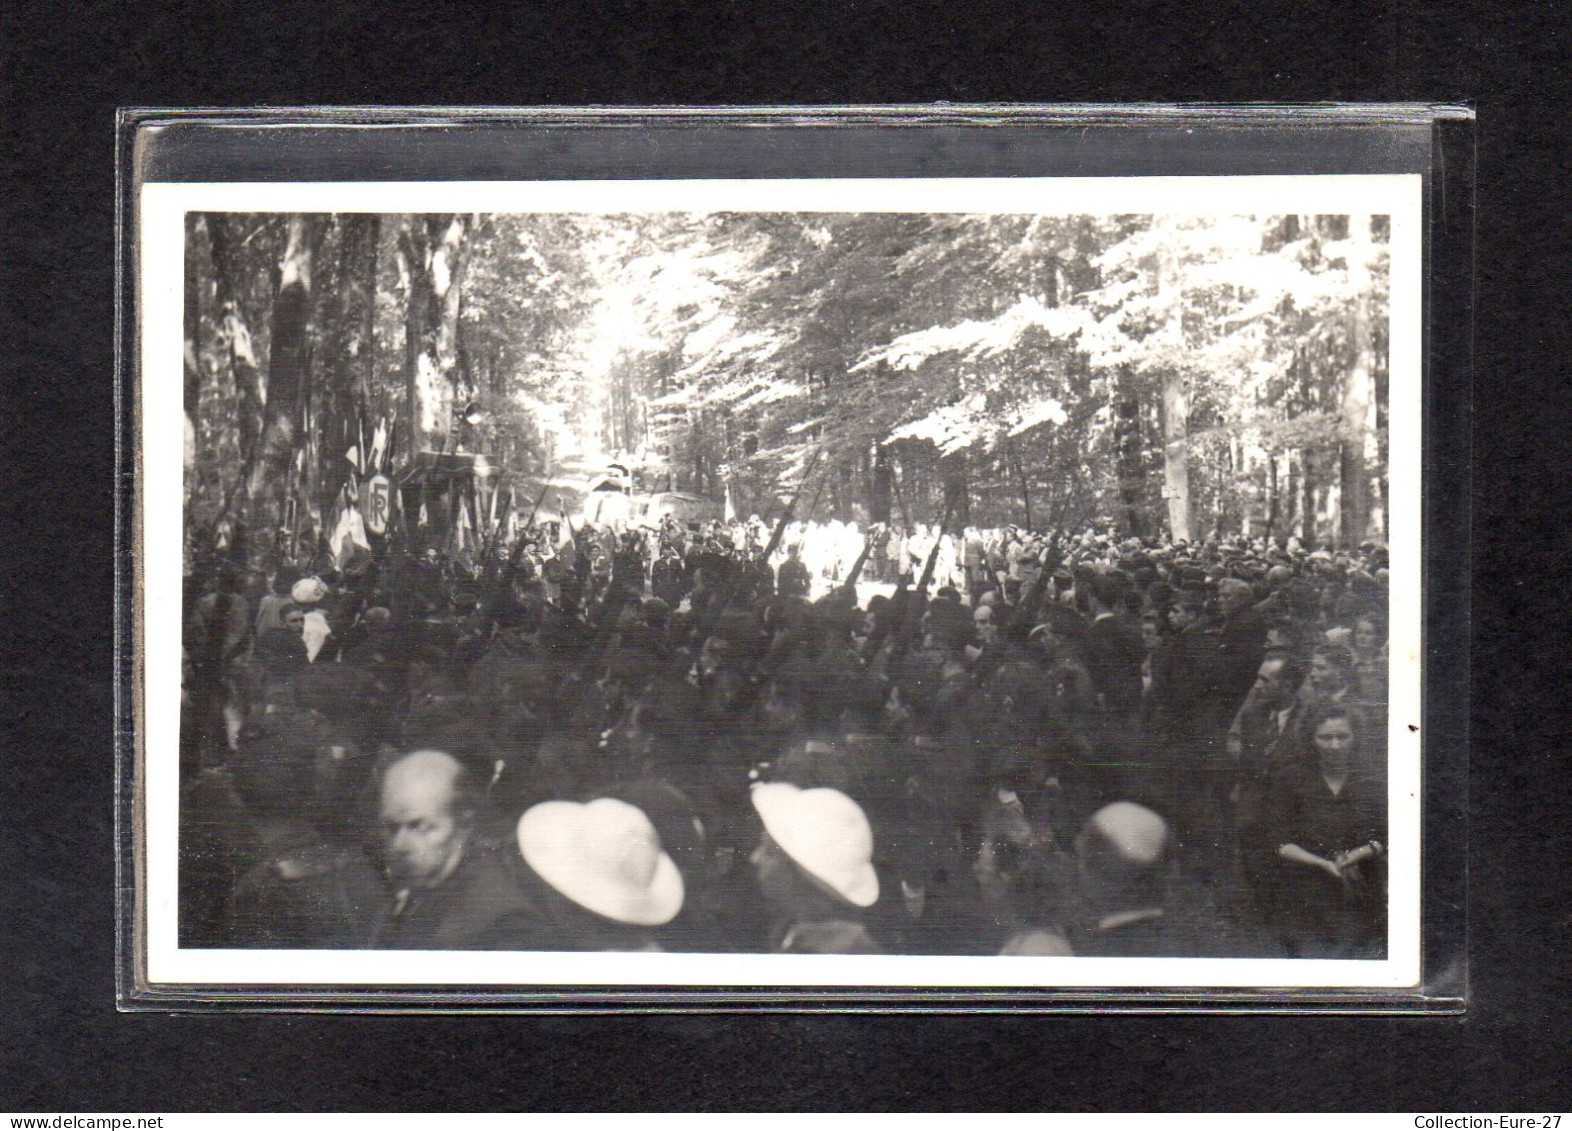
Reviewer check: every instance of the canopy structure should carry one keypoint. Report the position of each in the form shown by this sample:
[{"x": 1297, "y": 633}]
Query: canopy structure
[
  {"x": 611, "y": 499},
  {"x": 446, "y": 498},
  {"x": 684, "y": 506}
]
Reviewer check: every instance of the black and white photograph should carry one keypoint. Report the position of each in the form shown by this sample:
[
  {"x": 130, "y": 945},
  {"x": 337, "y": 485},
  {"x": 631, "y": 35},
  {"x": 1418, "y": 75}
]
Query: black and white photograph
[{"x": 911, "y": 583}]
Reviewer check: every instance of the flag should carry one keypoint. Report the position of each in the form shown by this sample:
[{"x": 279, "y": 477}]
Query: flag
[
  {"x": 461, "y": 527},
  {"x": 379, "y": 446},
  {"x": 379, "y": 504},
  {"x": 348, "y": 535},
  {"x": 564, "y": 530},
  {"x": 315, "y": 631}
]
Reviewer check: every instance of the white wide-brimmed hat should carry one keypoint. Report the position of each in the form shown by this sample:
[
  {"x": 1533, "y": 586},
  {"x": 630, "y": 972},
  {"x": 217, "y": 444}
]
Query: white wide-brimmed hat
[
  {"x": 605, "y": 856},
  {"x": 308, "y": 591},
  {"x": 825, "y": 833}
]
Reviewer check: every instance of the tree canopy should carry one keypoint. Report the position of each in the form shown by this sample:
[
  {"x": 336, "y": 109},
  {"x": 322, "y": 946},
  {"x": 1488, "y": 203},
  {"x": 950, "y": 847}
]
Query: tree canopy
[{"x": 1056, "y": 370}]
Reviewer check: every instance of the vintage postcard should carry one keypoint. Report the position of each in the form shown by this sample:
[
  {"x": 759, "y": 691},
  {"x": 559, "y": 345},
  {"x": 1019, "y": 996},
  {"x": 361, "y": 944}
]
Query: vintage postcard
[{"x": 827, "y": 583}]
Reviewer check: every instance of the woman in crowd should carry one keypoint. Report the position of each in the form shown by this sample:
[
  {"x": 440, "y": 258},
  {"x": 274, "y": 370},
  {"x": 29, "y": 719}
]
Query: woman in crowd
[{"x": 1330, "y": 834}]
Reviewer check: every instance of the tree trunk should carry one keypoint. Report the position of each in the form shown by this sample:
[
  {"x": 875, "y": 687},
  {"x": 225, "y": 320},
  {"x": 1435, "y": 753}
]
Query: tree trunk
[
  {"x": 245, "y": 374},
  {"x": 1307, "y": 485},
  {"x": 1291, "y": 494},
  {"x": 448, "y": 263},
  {"x": 900, "y": 495},
  {"x": 192, "y": 323},
  {"x": 1012, "y": 456},
  {"x": 1127, "y": 442},
  {"x": 288, "y": 360},
  {"x": 347, "y": 334},
  {"x": 366, "y": 273},
  {"x": 191, "y": 391},
  {"x": 846, "y": 490},
  {"x": 433, "y": 252},
  {"x": 412, "y": 250},
  {"x": 698, "y": 452},
  {"x": 881, "y": 486},
  {"x": 1272, "y": 495},
  {"x": 1176, "y": 406},
  {"x": 1354, "y": 501},
  {"x": 957, "y": 499}
]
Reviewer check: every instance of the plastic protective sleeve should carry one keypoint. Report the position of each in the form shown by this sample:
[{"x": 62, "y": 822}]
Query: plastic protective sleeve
[{"x": 392, "y": 144}]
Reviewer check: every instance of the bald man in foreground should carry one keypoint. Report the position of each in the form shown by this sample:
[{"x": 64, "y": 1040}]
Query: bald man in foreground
[
  {"x": 1133, "y": 903},
  {"x": 449, "y": 892}
]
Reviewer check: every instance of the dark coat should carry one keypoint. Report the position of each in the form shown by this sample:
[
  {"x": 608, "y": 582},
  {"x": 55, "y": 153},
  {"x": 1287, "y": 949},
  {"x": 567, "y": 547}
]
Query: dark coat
[
  {"x": 838, "y": 936},
  {"x": 1113, "y": 657},
  {"x": 669, "y": 581},
  {"x": 479, "y": 907},
  {"x": 1264, "y": 749},
  {"x": 1320, "y": 916},
  {"x": 793, "y": 578},
  {"x": 310, "y": 896},
  {"x": 1241, "y": 648}
]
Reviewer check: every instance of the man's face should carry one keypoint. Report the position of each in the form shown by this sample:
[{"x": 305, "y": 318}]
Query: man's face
[
  {"x": 895, "y": 712},
  {"x": 1324, "y": 676},
  {"x": 1366, "y": 639},
  {"x": 782, "y": 713},
  {"x": 1271, "y": 685},
  {"x": 712, "y": 658},
  {"x": 773, "y": 869},
  {"x": 423, "y": 840},
  {"x": 1232, "y": 598},
  {"x": 1150, "y": 637}
]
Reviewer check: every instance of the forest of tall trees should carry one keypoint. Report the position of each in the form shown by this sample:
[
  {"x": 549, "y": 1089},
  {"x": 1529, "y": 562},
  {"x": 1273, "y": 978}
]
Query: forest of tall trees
[{"x": 1192, "y": 377}]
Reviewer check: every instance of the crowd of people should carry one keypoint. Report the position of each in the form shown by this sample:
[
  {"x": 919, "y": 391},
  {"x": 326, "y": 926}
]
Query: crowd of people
[{"x": 725, "y": 737}]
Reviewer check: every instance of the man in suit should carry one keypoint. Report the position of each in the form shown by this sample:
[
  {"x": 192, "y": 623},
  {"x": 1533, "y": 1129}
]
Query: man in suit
[
  {"x": 1132, "y": 903},
  {"x": 1114, "y": 652},
  {"x": 1264, "y": 740},
  {"x": 1114, "y": 655},
  {"x": 793, "y": 578},
  {"x": 1241, "y": 641},
  {"x": 449, "y": 893}
]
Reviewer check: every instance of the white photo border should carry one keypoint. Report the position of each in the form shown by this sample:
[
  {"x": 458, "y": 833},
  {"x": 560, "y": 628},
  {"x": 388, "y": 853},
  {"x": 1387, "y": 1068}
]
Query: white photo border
[{"x": 160, "y": 210}]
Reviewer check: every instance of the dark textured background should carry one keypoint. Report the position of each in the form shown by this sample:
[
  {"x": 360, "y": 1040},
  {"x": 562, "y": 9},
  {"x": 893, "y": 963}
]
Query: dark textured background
[{"x": 66, "y": 68}]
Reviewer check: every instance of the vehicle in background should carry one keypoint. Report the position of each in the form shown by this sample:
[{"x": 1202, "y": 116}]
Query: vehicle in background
[{"x": 610, "y": 499}]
